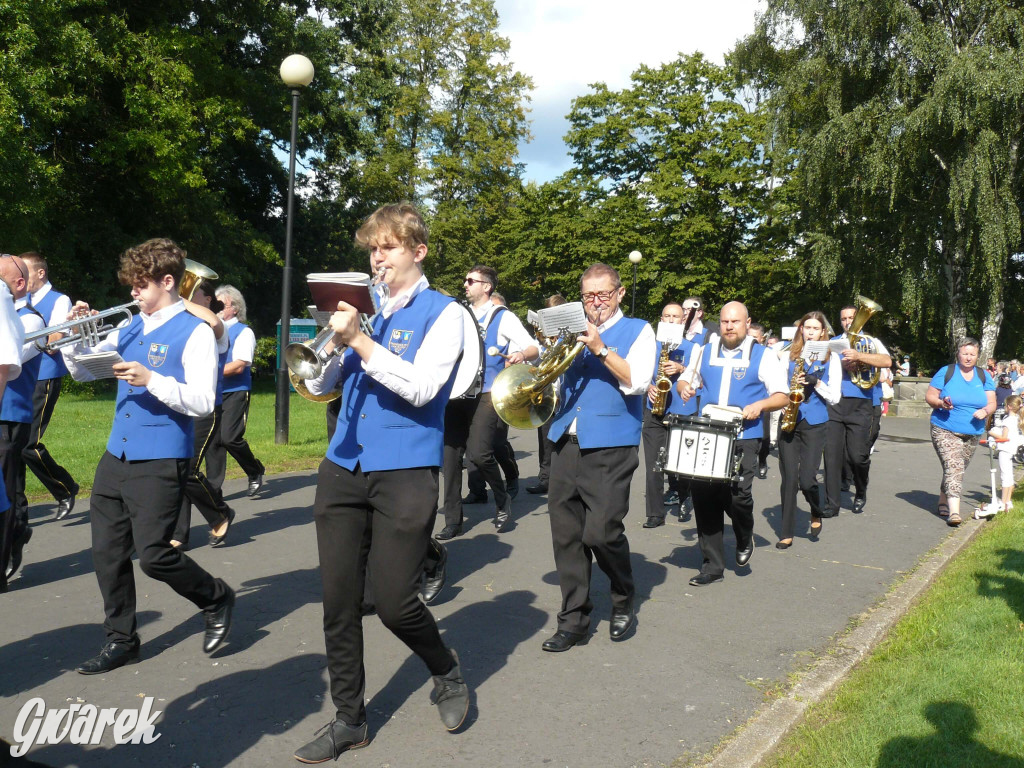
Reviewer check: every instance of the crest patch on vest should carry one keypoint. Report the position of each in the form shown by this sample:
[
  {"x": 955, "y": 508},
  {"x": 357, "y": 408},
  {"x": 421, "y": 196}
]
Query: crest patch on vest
[
  {"x": 739, "y": 373},
  {"x": 399, "y": 341},
  {"x": 157, "y": 354}
]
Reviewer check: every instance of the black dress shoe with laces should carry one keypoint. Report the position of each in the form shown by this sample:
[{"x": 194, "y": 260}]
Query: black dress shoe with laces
[
  {"x": 563, "y": 641},
  {"x": 451, "y": 695},
  {"x": 449, "y": 532},
  {"x": 743, "y": 554},
  {"x": 64, "y": 507},
  {"x": 112, "y": 656},
  {"x": 858, "y": 503},
  {"x": 503, "y": 516},
  {"x": 255, "y": 483},
  {"x": 703, "y": 579},
  {"x": 17, "y": 550},
  {"x": 623, "y": 620},
  {"x": 654, "y": 522},
  {"x": 538, "y": 488},
  {"x": 333, "y": 739},
  {"x": 218, "y": 622},
  {"x": 433, "y": 580},
  {"x": 762, "y": 471}
]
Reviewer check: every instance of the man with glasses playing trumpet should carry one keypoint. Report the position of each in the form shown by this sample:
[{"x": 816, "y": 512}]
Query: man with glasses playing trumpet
[{"x": 596, "y": 433}]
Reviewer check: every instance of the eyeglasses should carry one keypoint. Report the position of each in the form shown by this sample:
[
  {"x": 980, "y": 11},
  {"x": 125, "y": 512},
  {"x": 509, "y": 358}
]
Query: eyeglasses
[
  {"x": 471, "y": 281},
  {"x": 603, "y": 296}
]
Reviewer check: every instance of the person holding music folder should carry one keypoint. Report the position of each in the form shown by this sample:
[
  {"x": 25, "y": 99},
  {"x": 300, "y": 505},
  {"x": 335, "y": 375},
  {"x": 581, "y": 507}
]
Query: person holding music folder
[
  {"x": 800, "y": 448},
  {"x": 731, "y": 370},
  {"x": 167, "y": 377},
  {"x": 54, "y": 308},
  {"x": 655, "y": 431},
  {"x": 377, "y": 488},
  {"x": 16, "y": 418},
  {"x": 596, "y": 432},
  {"x": 471, "y": 425},
  {"x": 848, "y": 438}
]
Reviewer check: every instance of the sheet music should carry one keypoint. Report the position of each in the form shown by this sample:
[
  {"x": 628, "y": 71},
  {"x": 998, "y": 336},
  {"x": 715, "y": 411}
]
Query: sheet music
[
  {"x": 838, "y": 345},
  {"x": 99, "y": 364},
  {"x": 321, "y": 318},
  {"x": 670, "y": 333},
  {"x": 815, "y": 350},
  {"x": 570, "y": 317}
]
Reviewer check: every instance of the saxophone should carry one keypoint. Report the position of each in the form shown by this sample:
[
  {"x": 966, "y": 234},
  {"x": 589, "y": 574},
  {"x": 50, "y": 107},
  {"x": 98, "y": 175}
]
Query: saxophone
[
  {"x": 662, "y": 384},
  {"x": 790, "y": 415}
]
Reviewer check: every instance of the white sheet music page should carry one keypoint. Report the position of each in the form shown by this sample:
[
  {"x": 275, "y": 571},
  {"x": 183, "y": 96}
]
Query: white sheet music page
[
  {"x": 99, "y": 364},
  {"x": 670, "y": 333},
  {"x": 815, "y": 350},
  {"x": 569, "y": 317}
]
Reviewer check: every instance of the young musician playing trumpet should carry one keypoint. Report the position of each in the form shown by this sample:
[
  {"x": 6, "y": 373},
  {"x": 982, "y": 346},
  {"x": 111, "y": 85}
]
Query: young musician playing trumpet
[
  {"x": 801, "y": 447},
  {"x": 376, "y": 496}
]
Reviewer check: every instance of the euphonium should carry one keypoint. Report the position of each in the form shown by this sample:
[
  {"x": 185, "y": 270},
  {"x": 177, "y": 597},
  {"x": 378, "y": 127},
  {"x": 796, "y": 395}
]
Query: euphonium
[
  {"x": 791, "y": 415},
  {"x": 524, "y": 395},
  {"x": 195, "y": 273},
  {"x": 865, "y": 376},
  {"x": 662, "y": 384}
]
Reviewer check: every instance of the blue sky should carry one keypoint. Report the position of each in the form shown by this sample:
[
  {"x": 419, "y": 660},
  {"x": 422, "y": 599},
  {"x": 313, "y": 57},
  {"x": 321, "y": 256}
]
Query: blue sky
[{"x": 565, "y": 45}]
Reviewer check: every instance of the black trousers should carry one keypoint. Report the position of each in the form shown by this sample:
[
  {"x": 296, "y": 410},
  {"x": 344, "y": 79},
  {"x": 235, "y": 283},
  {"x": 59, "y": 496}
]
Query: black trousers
[
  {"x": 799, "y": 459},
  {"x": 381, "y": 522},
  {"x": 57, "y": 480},
  {"x": 230, "y": 438},
  {"x": 134, "y": 508},
  {"x": 713, "y": 501},
  {"x": 655, "y": 437},
  {"x": 766, "y": 441},
  {"x": 13, "y": 439},
  {"x": 198, "y": 489},
  {"x": 588, "y": 498},
  {"x": 333, "y": 409},
  {"x": 504, "y": 454},
  {"x": 544, "y": 449},
  {"x": 846, "y": 439},
  {"x": 470, "y": 427}
]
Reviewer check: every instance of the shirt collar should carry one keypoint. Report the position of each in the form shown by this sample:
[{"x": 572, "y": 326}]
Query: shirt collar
[
  {"x": 610, "y": 321},
  {"x": 395, "y": 303},
  {"x": 695, "y": 329},
  {"x": 165, "y": 314},
  {"x": 229, "y": 323},
  {"x": 38, "y": 295},
  {"x": 22, "y": 302}
]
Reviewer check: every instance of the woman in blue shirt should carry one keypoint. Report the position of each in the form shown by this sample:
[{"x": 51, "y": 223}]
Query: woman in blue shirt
[{"x": 962, "y": 398}]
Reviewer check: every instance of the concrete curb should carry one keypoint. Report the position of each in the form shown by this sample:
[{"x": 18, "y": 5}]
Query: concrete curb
[{"x": 761, "y": 734}]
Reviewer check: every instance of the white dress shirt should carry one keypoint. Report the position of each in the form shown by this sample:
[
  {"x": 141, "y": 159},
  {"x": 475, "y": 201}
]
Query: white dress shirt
[
  {"x": 245, "y": 344},
  {"x": 12, "y": 334},
  {"x": 192, "y": 397},
  {"x": 418, "y": 381},
  {"x": 771, "y": 372},
  {"x": 510, "y": 328},
  {"x": 31, "y": 323}
]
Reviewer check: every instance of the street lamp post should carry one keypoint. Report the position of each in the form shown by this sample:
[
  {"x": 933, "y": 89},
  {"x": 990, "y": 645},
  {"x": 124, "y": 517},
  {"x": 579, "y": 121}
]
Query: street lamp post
[
  {"x": 296, "y": 72},
  {"x": 635, "y": 257}
]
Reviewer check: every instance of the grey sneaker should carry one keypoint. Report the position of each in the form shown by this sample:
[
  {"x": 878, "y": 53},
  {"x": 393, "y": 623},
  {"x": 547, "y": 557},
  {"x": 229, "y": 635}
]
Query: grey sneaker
[
  {"x": 451, "y": 695},
  {"x": 337, "y": 737}
]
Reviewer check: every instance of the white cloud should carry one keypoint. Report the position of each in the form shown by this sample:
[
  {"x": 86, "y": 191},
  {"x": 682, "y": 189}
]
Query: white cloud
[{"x": 565, "y": 45}]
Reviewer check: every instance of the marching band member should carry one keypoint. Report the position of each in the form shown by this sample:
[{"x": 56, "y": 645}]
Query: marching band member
[
  {"x": 596, "y": 433},
  {"x": 12, "y": 336},
  {"x": 167, "y": 378},
  {"x": 732, "y": 370},
  {"x": 377, "y": 489},
  {"x": 800, "y": 449}
]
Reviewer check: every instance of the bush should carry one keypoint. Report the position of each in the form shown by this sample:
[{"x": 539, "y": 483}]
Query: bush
[
  {"x": 89, "y": 389},
  {"x": 265, "y": 358}
]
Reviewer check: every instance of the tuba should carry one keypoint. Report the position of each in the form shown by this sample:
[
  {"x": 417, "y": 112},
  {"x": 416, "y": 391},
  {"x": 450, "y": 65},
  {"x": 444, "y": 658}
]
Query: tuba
[
  {"x": 195, "y": 273},
  {"x": 865, "y": 376},
  {"x": 524, "y": 395}
]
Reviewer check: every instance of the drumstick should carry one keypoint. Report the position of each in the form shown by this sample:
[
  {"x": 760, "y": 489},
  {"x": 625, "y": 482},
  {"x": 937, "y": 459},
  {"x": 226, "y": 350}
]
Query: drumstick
[{"x": 495, "y": 352}]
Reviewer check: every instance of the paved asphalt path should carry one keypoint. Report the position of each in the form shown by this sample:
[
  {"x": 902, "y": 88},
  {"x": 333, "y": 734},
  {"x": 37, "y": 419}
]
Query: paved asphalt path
[{"x": 696, "y": 668}]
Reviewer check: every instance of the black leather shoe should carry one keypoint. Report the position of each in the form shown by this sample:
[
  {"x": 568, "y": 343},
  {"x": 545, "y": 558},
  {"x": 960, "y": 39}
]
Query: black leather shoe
[
  {"x": 538, "y": 488},
  {"x": 671, "y": 498},
  {"x": 563, "y": 641},
  {"x": 512, "y": 486},
  {"x": 858, "y": 504},
  {"x": 654, "y": 522},
  {"x": 64, "y": 507},
  {"x": 433, "y": 580},
  {"x": 503, "y": 516},
  {"x": 218, "y": 622},
  {"x": 762, "y": 471},
  {"x": 830, "y": 513},
  {"x": 743, "y": 555},
  {"x": 703, "y": 579},
  {"x": 474, "y": 498},
  {"x": 218, "y": 541},
  {"x": 17, "y": 549},
  {"x": 784, "y": 544},
  {"x": 449, "y": 532},
  {"x": 112, "y": 656},
  {"x": 623, "y": 620},
  {"x": 255, "y": 483},
  {"x": 337, "y": 737},
  {"x": 451, "y": 695}
]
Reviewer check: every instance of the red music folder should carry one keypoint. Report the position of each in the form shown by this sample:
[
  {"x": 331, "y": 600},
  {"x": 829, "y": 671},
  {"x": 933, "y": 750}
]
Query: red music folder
[{"x": 328, "y": 288}]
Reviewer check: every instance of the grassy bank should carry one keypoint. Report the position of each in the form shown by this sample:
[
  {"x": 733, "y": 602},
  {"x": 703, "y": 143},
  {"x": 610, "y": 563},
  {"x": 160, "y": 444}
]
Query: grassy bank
[
  {"x": 946, "y": 689},
  {"x": 77, "y": 436}
]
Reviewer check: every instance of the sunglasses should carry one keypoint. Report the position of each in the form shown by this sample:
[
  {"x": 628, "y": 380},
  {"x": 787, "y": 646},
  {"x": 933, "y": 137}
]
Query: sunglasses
[
  {"x": 471, "y": 281},
  {"x": 20, "y": 270}
]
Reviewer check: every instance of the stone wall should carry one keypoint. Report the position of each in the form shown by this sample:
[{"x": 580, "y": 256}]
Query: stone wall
[{"x": 909, "y": 398}]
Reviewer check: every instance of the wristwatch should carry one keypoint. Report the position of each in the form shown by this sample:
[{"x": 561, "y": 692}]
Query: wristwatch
[{"x": 603, "y": 352}]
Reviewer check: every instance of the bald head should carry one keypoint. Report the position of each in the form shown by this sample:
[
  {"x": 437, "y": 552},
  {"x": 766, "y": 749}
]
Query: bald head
[
  {"x": 733, "y": 324},
  {"x": 14, "y": 272}
]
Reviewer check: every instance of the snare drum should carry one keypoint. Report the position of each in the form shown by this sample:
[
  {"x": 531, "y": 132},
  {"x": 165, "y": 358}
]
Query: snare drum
[
  {"x": 701, "y": 448},
  {"x": 469, "y": 375}
]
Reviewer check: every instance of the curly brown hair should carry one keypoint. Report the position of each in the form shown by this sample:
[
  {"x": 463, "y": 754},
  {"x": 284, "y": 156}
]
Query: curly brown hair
[{"x": 152, "y": 260}]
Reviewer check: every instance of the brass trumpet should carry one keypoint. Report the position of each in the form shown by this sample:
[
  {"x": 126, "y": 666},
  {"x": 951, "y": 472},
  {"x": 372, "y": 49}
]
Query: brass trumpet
[{"x": 87, "y": 329}]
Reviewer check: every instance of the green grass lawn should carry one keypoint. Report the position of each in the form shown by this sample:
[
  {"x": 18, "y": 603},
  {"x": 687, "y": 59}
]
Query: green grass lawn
[
  {"x": 946, "y": 688},
  {"x": 78, "y": 431}
]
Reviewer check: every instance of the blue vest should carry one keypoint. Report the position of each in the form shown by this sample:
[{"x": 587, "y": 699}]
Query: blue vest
[
  {"x": 17, "y": 402},
  {"x": 378, "y": 430},
  {"x": 240, "y": 381},
  {"x": 145, "y": 428},
  {"x": 814, "y": 409},
  {"x": 52, "y": 364},
  {"x": 222, "y": 360},
  {"x": 744, "y": 388},
  {"x": 605, "y": 418},
  {"x": 674, "y": 403},
  {"x": 496, "y": 364}
]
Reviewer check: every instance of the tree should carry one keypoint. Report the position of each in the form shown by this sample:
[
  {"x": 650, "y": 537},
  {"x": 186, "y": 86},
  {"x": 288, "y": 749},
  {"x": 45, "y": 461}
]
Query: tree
[{"x": 905, "y": 118}]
